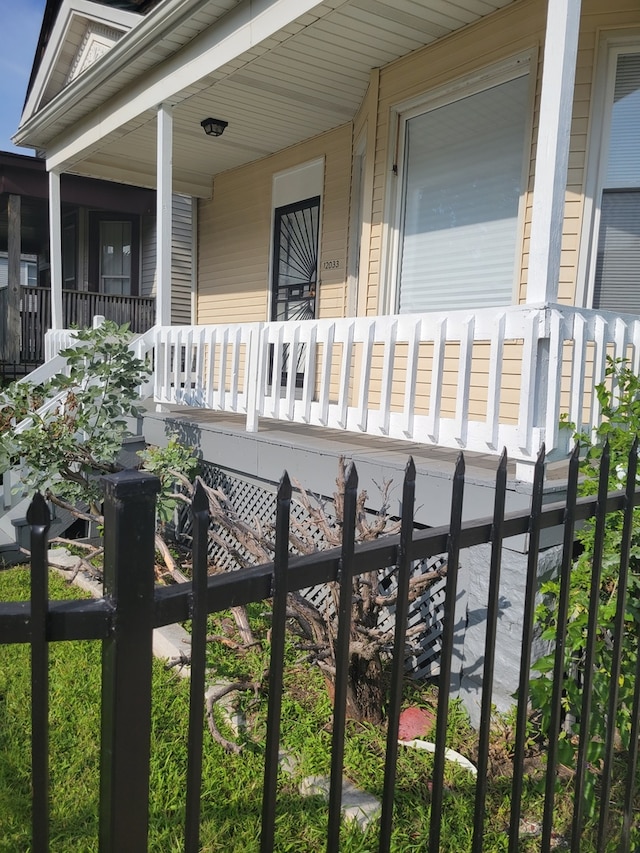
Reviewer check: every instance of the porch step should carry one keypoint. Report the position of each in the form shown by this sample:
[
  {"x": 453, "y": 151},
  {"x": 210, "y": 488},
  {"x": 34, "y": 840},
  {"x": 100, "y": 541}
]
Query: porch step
[
  {"x": 11, "y": 371},
  {"x": 15, "y": 531}
]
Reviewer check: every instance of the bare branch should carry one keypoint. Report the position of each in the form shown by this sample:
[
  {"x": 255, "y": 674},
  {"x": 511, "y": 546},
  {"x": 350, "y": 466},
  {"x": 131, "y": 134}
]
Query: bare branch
[
  {"x": 169, "y": 562},
  {"x": 85, "y": 516}
]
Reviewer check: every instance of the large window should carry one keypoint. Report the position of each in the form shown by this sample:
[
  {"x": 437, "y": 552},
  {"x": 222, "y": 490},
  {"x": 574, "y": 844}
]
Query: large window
[
  {"x": 616, "y": 283},
  {"x": 462, "y": 184}
]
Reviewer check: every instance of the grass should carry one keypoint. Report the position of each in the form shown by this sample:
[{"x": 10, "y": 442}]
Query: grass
[{"x": 232, "y": 784}]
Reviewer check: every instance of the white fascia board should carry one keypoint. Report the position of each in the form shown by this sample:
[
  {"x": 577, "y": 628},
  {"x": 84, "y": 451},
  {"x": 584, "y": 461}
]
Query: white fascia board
[
  {"x": 115, "y": 18},
  {"x": 246, "y": 26}
]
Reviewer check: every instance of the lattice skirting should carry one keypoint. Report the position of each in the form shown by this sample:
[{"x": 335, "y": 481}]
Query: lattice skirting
[{"x": 255, "y": 502}]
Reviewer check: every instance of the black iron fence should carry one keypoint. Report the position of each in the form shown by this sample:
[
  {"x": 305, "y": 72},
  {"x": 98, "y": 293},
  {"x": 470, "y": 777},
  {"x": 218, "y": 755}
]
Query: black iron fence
[{"x": 132, "y": 606}]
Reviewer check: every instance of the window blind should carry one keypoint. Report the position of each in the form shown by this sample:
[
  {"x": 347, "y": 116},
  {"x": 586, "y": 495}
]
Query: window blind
[{"x": 462, "y": 186}]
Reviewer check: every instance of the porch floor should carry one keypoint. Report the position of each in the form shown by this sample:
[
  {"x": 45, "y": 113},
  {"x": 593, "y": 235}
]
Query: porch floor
[{"x": 310, "y": 455}]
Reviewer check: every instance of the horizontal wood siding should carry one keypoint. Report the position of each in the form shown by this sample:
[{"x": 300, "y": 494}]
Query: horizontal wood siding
[
  {"x": 234, "y": 233},
  {"x": 148, "y": 255},
  {"x": 181, "y": 260}
]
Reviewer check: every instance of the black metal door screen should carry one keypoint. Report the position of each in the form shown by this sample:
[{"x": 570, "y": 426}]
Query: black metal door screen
[{"x": 295, "y": 268}]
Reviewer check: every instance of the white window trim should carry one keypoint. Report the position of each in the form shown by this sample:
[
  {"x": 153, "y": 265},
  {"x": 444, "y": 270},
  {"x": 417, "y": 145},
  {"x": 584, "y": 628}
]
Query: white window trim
[
  {"x": 604, "y": 80},
  {"x": 519, "y": 65}
]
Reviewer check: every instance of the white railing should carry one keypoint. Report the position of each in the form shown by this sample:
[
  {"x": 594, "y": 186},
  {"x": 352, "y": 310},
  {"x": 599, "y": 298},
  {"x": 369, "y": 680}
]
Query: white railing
[{"x": 475, "y": 380}]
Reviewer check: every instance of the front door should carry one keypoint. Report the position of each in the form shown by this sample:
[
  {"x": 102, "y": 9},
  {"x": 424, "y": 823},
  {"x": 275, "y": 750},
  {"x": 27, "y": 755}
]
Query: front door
[
  {"x": 113, "y": 254},
  {"x": 295, "y": 268}
]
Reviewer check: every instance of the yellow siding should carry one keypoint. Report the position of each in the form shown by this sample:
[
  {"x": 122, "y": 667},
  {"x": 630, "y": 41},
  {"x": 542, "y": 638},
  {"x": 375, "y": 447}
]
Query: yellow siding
[
  {"x": 234, "y": 236},
  {"x": 235, "y": 225}
]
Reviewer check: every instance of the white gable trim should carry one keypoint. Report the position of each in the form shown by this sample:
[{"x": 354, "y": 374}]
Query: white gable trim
[
  {"x": 98, "y": 39},
  {"x": 113, "y": 19}
]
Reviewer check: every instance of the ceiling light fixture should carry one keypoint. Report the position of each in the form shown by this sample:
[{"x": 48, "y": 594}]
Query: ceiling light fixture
[{"x": 213, "y": 126}]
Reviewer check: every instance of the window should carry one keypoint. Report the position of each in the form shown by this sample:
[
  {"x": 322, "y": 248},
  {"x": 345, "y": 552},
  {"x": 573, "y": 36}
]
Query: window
[
  {"x": 29, "y": 273},
  {"x": 462, "y": 177},
  {"x": 69, "y": 256},
  {"x": 115, "y": 258},
  {"x": 616, "y": 284},
  {"x": 113, "y": 254},
  {"x": 28, "y": 270}
]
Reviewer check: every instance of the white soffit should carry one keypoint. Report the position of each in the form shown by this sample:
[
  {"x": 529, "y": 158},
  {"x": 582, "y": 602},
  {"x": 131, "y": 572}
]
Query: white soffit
[
  {"x": 307, "y": 76},
  {"x": 83, "y": 32}
]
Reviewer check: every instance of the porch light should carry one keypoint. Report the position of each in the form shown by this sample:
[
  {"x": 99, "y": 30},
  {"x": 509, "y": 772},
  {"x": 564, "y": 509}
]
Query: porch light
[{"x": 213, "y": 126}]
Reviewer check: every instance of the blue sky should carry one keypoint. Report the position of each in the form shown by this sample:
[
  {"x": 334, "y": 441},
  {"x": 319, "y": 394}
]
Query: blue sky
[{"x": 20, "y": 26}]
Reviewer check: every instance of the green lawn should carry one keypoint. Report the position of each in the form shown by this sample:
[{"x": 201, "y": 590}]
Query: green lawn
[{"x": 231, "y": 798}]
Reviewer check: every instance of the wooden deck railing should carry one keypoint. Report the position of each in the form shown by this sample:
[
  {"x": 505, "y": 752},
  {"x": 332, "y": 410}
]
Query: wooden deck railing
[
  {"x": 79, "y": 308},
  {"x": 470, "y": 380}
]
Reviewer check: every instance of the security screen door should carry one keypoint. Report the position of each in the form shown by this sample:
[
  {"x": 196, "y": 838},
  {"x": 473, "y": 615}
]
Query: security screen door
[{"x": 295, "y": 269}]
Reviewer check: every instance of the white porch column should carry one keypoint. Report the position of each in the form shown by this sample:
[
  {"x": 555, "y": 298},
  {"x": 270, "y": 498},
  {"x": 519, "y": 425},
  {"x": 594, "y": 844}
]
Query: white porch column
[
  {"x": 556, "y": 106},
  {"x": 55, "y": 249},
  {"x": 164, "y": 167}
]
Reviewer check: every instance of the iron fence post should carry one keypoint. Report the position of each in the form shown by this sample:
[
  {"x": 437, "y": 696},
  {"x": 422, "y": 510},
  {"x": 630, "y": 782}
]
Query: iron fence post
[
  {"x": 39, "y": 518},
  {"x": 129, "y": 549}
]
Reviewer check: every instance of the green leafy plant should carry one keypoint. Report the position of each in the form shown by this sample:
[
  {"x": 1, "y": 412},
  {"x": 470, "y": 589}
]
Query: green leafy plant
[
  {"x": 619, "y": 399},
  {"x": 69, "y": 431},
  {"x": 66, "y": 446},
  {"x": 175, "y": 466}
]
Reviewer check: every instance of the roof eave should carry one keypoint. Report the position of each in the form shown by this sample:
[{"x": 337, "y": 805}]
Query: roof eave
[{"x": 32, "y": 129}]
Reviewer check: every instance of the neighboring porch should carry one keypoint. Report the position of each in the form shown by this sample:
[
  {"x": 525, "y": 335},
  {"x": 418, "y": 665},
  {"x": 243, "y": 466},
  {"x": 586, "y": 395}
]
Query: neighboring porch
[
  {"x": 107, "y": 243},
  {"x": 78, "y": 308}
]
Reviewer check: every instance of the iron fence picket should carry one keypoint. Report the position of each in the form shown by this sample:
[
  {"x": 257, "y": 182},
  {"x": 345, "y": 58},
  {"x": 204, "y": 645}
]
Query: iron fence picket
[
  {"x": 342, "y": 659},
  {"x": 631, "y": 786},
  {"x": 618, "y": 637},
  {"x": 199, "y": 617},
  {"x": 525, "y": 651},
  {"x": 560, "y": 638},
  {"x": 589, "y": 656},
  {"x": 39, "y": 518},
  {"x": 444, "y": 680},
  {"x": 493, "y": 609},
  {"x": 276, "y": 665},
  {"x": 405, "y": 562}
]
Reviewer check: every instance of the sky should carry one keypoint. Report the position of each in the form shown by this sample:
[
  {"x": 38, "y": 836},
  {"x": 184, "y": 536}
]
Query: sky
[{"x": 20, "y": 22}]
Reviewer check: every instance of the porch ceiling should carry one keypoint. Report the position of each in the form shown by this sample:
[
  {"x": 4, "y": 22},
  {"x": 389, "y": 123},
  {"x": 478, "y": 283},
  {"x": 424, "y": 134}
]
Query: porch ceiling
[{"x": 307, "y": 77}]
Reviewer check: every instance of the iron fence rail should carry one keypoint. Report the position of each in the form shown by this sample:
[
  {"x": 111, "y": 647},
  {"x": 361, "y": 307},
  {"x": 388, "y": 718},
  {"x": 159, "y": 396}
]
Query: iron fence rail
[{"x": 124, "y": 618}]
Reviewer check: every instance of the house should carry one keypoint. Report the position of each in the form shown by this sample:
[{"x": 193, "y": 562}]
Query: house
[{"x": 418, "y": 221}]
